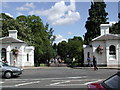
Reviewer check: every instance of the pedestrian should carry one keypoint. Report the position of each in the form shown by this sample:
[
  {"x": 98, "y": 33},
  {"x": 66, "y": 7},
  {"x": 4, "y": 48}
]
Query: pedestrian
[
  {"x": 59, "y": 62},
  {"x": 89, "y": 60},
  {"x": 95, "y": 63}
]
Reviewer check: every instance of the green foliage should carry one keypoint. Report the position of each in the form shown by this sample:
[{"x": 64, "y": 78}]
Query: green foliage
[
  {"x": 62, "y": 49},
  {"x": 97, "y": 16},
  {"x": 31, "y": 30},
  {"x": 71, "y": 49},
  {"x": 43, "y": 65},
  {"x": 115, "y": 29}
]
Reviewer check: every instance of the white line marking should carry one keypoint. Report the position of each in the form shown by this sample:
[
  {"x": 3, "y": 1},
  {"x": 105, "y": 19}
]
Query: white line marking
[
  {"x": 59, "y": 83},
  {"x": 62, "y": 83},
  {"x": 45, "y": 78},
  {"x": 77, "y": 77},
  {"x": 26, "y": 83},
  {"x": 77, "y": 80},
  {"x": 68, "y": 85},
  {"x": 1, "y": 82},
  {"x": 6, "y": 86},
  {"x": 93, "y": 82}
]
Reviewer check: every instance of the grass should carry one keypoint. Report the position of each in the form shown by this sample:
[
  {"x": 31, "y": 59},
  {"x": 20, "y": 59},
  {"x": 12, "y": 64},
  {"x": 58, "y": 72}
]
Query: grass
[{"x": 43, "y": 65}]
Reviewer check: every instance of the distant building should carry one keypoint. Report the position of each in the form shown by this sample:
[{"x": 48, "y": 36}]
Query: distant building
[
  {"x": 16, "y": 52},
  {"x": 105, "y": 47}
]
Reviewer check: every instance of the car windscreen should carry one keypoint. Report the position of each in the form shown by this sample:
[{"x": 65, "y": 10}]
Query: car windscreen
[{"x": 113, "y": 82}]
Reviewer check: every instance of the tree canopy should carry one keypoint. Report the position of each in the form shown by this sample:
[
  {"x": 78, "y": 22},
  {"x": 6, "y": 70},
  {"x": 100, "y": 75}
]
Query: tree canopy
[
  {"x": 115, "y": 29},
  {"x": 31, "y": 30},
  {"x": 97, "y": 16},
  {"x": 71, "y": 49}
]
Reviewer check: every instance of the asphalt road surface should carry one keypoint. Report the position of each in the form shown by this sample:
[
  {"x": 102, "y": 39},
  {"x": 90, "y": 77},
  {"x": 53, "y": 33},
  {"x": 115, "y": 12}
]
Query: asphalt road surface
[{"x": 57, "y": 77}]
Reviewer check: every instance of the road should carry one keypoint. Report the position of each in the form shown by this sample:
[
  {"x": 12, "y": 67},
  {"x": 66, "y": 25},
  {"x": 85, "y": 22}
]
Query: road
[{"x": 57, "y": 77}]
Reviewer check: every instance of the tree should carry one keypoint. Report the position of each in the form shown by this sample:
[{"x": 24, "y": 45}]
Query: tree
[
  {"x": 7, "y": 24},
  {"x": 75, "y": 49},
  {"x": 97, "y": 16},
  {"x": 50, "y": 33},
  {"x": 62, "y": 49},
  {"x": 31, "y": 30},
  {"x": 115, "y": 29},
  {"x": 71, "y": 49}
]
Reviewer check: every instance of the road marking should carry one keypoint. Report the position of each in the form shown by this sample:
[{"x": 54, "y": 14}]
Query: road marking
[
  {"x": 45, "y": 78},
  {"x": 59, "y": 83},
  {"x": 62, "y": 83},
  {"x": 22, "y": 84},
  {"x": 93, "y": 82},
  {"x": 31, "y": 79},
  {"x": 6, "y": 86},
  {"x": 77, "y": 80},
  {"x": 1, "y": 82},
  {"x": 77, "y": 77},
  {"x": 68, "y": 85}
]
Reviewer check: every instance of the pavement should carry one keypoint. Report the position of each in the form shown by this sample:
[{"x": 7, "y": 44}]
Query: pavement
[
  {"x": 73, "y": 67},
  {"x": 98, "y": 68},
  {"x": 34, "y": 67}
]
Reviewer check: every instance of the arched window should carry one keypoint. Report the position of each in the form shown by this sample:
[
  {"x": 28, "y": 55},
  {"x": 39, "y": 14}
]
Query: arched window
[
  {"x": 112, "y": 52},
  {"x": 3, "y": 54}
]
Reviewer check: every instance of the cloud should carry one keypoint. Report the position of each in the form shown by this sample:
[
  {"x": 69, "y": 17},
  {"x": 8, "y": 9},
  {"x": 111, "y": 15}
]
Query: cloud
[
  {"x": 60, "y": 14},
  {"x": 22, "y": 8},
  {"x": 59, "y": 38},
  {"x": 69, "y": 33},
  {"x": 26, "y": 7},
  {"x": 29, "y": 5},
  {"x": 19, "y": 13},
  {"x": 9, "y": 14}
]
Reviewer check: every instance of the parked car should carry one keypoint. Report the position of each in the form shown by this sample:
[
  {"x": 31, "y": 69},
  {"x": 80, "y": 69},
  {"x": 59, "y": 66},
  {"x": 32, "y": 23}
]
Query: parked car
[
  {"x": 112, "y": 83},
  {"x": 7, "y": 71}
]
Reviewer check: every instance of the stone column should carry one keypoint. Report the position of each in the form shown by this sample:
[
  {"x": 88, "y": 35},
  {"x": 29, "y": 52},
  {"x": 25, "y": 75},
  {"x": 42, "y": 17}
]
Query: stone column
[
  {"x": 107, "y": 55},
  {"x": 118, "y": 54},
  {"x": 0, "y": 50},
  {"x": 8, "y": 50}
]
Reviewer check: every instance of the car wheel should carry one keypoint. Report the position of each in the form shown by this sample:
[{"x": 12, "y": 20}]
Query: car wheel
[{"x": 8, "y": 74}]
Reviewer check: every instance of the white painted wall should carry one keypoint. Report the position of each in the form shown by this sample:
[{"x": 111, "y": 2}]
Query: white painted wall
[
  {"x": 86, "y": 50},
  {"x": 22, "y": 55},
  {"x": 104, "y": 29},
  {"x": 101, "y": 58},
  {"x": 119, "y": 53},
  {"x": 13, "y": 33},
  {"x": 30, "y": 51},
  {"x": 111, "y": 62}
]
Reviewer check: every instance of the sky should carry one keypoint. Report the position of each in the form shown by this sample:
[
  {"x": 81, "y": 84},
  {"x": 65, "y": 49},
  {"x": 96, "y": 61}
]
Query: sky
[{"x": 66, "y": 18}]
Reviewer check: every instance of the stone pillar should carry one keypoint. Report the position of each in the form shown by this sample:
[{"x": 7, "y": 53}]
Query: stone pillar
[
  {"x": 0, "y": 50},
  {"x": 107, "y": 55},
  {"x": 8, "y": 50},
  {"x": 117, "y": 54}
]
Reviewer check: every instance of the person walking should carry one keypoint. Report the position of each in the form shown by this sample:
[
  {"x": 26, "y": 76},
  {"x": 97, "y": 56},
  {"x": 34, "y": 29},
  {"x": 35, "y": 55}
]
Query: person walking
[{"x": 95, "y": 63}]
